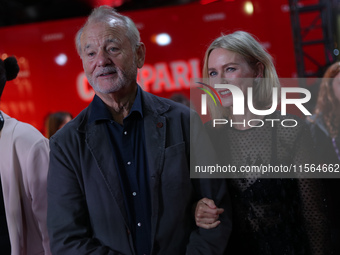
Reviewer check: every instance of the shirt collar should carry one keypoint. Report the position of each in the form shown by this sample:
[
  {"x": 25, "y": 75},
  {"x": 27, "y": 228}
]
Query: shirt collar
[{"x": 99, "y": 110}]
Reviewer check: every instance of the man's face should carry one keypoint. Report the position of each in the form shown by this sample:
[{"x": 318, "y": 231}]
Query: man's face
[{"x": 108, "y": 58}]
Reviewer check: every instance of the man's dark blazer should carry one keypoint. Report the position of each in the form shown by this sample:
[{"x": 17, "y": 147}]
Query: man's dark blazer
[{"x": 86, "y": 212}]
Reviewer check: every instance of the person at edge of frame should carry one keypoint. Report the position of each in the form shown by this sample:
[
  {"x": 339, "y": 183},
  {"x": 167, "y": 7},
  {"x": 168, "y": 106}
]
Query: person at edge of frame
[
  {"x": 325, "y": 127},
  {"x": 23, "y": 170}
]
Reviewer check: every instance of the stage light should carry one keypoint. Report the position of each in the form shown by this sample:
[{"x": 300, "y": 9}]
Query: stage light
[
  {"x": 163, "y": 39},
  {"x": 61, "y": 59},
  {"x": 248, "y": 7}
]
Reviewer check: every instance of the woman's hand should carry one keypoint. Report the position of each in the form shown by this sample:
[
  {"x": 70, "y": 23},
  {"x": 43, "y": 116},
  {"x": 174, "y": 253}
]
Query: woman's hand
[{"x": 207, "y": 214}]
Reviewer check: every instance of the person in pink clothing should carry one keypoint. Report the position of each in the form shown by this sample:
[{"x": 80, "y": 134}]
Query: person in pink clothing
[{"x": 23, "y": 169}]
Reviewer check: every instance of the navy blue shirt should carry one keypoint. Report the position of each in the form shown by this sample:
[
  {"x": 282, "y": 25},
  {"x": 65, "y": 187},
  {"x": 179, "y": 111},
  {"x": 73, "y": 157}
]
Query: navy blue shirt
[{"x": 128, "y": 147}]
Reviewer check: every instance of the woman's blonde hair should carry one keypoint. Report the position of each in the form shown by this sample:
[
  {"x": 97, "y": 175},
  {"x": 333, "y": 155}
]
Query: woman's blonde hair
[{"x": 251, "y": 50}]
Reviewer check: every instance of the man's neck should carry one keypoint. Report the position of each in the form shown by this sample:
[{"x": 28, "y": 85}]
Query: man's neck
[{"x": 119, "y": 103}]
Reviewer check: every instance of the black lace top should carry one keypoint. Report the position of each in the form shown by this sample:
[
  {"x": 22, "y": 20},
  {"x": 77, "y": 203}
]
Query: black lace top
[{"x": 273, "y": 216}]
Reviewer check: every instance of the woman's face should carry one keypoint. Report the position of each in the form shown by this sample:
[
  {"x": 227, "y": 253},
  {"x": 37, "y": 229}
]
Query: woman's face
[
  {"x": 228, "y": 67},
  {"x": 336, "y": 86}
]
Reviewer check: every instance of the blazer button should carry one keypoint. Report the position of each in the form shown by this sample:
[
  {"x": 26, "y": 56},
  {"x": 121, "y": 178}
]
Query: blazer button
[
  {"x": 159, "y": 124},
  {"x": 127, "y": 231}
]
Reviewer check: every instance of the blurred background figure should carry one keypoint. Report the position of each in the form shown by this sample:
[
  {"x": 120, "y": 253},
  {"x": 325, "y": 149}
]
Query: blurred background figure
[
  {"x": 23, "y": 170},
  {"x": 325, "y": 128},
  {"x": 325, "y": 122},
  {"x": 180, "y": 98},
  {"x": 55, "y": 121}
]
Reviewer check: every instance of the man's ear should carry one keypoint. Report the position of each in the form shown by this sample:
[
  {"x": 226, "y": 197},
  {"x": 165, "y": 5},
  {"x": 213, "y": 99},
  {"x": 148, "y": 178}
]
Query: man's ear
[
  {"x": 140, "y": 54},
  {"x": 259, "y": 70}
]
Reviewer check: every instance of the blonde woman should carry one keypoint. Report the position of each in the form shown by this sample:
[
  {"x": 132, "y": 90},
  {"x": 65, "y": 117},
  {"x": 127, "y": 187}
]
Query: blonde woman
[{"x": 270, "y": 216}]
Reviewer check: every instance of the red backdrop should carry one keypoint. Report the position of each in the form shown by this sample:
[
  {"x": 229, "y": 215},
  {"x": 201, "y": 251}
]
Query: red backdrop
[{"x": 44, "y": 86}]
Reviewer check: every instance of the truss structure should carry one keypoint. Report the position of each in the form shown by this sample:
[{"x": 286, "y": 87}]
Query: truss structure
[{"x": 314, "y": 35}]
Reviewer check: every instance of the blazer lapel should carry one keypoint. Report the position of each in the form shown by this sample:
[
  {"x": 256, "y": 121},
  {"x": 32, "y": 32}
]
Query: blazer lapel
[
  {"x": 155, "y": 139},
  {"x": 101, "y": 150},
  {"x": 155, "y": 128}
]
